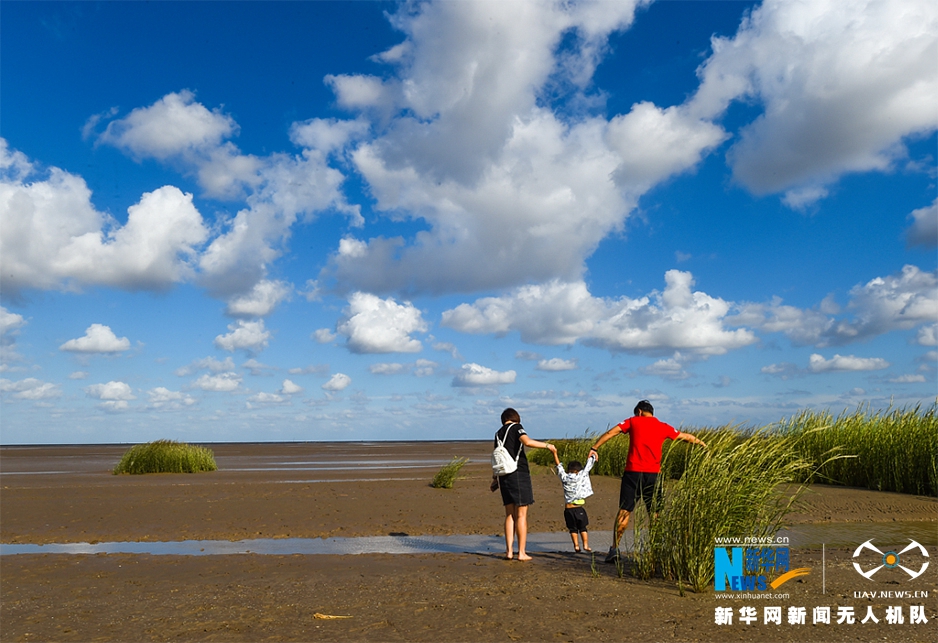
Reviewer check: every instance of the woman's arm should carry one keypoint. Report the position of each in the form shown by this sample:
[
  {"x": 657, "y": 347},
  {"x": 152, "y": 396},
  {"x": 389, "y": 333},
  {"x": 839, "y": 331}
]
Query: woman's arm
[{"x": 534, "y": 444}]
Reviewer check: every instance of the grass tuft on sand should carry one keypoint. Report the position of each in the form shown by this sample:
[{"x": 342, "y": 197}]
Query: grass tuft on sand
[
  {"x": 445, "y": 478},
  {"x": 725, "y": 490},
  {"x": 166, "y": 456}
]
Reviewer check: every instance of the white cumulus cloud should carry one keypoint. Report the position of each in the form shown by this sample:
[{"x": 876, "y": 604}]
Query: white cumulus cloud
[
  {"x": 924, "y": 228},
  {"x": 818, "y": 364},
  {"x": 279, "y": 190},
  {"x": 908, "y": 379},
  {"x": 478, "y": 375},
  {"x": 337, "y": 382},
  {"x": 10, "y": 325},
  {"x": 267, "y": 399},
  {"x": 323, "y": 335},
  {"x": 563, "y": 313},
  {"x": 260, "y": 301},
  {"x": 469, "y": 150},
  {"x": 207, "y": 363},
  {"x": 671, "y": 368},
  {"x": 556, "y": 364},
  {"x": 842, "y": 83},
  {"x": 162, "y": 398},
  {"x": 289, "y": 388},
  {"x": 802, "y": 326},
  {"x": 386, "y": 368},
  {"x": 218, "y": 383},
  {"x": 174, "y": 125},
  {"x": 424, "y": 367},
  {"x": 114, "y": 395},
  {"x": 927, "y": 335},
  {"x": 54, "y": 238},
  {"x": 111, "y": 391},
  {"x": 375, "y": 325},
  {"x": 30, "y": 389},
  {"x": 98, "y": 338},
  {"x": 896, "y": 302},
  {"x": 248, "y": 336}
]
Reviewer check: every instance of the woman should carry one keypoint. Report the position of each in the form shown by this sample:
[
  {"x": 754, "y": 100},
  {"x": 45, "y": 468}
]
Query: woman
[{"x": 516, "y": 489}]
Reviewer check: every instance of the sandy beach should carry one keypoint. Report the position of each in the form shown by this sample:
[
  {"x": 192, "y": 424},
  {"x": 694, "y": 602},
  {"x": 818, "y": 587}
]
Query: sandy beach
[{"x": 319, "y": 490}]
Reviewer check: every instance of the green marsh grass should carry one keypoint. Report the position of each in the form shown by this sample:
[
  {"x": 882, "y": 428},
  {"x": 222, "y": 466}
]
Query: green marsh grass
[
  {"x": 895, "y": 449},
  {"x": 166, "y": 456},
  {"x": 735, "y": 487},
  {"x": 446, "y": 476}
]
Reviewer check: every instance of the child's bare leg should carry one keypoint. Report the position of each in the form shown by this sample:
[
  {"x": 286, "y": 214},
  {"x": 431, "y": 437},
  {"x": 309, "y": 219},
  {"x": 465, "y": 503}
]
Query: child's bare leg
[
  {"x": 576, "y": 541},
  {"x": 586, "y": 540}
]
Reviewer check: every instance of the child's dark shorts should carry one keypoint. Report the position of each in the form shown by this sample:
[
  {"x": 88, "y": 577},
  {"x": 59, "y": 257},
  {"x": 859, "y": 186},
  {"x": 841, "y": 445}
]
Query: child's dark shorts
[
  {"x": 576, "y": 519},
  {"x": 635, "y": 485}
]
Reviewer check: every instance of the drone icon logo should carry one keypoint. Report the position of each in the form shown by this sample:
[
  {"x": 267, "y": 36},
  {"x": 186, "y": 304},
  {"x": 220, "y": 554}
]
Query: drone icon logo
[{"x": 890, "y": 559}]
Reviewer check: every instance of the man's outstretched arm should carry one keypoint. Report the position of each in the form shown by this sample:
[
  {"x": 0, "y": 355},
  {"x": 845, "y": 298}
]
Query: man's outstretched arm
[
  {"x": 687, "y": 437},
  {"x": 611, "y": 433}
]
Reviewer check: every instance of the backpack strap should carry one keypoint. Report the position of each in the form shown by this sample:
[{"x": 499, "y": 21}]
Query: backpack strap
[{"x": 501, "y": 442}]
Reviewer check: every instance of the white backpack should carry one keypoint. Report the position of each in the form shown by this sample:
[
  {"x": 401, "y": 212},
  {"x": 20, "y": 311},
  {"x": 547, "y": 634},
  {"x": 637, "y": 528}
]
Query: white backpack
[{"x": 502, "y": 462}]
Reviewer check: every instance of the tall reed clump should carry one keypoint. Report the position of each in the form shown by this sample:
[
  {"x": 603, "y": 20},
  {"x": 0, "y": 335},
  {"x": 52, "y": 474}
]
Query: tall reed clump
[
  {"x": 166, "y": 456},
  {"x": 446, "y": 476},
  {"x": 728, "y": 489},
  {"x": 895, "y": 449}
]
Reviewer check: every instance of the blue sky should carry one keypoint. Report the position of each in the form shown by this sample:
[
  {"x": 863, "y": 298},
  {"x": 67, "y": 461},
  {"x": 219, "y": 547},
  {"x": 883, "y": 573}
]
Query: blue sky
[{"x": 378, "y": 221}]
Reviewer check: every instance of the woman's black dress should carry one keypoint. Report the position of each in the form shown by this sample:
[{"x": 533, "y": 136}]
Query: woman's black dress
[{"x": 516, "y": 486}]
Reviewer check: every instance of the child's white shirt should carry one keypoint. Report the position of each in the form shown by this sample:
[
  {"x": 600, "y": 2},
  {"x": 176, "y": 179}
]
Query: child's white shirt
[{"x": 576, "y": 486}]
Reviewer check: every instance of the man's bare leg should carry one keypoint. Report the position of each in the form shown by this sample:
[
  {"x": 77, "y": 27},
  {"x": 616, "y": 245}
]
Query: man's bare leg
[
  {"x": 586, "y": 540},
  {"x": 576, "y": 541},
  {"x": 622, "y": 522}
]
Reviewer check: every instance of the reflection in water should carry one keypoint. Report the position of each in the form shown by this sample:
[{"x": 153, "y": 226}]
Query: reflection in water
[
  {"x": 851, "y": 534},
  {"x": 542, "y": 542},
  {"x": 806, "y": 536}
]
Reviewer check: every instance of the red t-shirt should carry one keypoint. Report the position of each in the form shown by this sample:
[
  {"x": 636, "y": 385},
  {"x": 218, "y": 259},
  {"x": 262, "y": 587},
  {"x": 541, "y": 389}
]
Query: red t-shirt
[{"x": 646, "y": 437}]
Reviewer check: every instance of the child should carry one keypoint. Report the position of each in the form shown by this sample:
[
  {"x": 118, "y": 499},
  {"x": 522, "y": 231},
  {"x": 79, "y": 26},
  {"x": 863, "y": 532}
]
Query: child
[{"x": 576, "y": 488}]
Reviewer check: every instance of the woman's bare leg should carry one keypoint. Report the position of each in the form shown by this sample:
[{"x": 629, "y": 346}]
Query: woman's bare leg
[
  {"x": 509, "y": 530},
  {"x": 521, "y": 529}
]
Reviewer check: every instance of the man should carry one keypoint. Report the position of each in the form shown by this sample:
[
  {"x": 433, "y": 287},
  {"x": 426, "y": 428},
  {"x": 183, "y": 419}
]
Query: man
[{"x": 642, "y": 464}]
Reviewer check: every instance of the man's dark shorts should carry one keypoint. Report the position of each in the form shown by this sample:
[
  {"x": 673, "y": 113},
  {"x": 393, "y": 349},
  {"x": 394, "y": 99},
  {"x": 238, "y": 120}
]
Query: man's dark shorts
[
  {"x": 576, "y": 519},
  {"x": 635, "y": 485}
]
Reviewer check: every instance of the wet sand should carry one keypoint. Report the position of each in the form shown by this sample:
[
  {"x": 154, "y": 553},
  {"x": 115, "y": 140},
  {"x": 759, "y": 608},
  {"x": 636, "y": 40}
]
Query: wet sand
[{"x": 67, "y": 494}]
